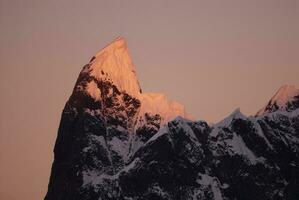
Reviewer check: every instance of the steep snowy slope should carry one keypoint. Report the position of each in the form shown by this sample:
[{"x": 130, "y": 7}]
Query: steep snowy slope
[
  {"x": 114, "y": 65},
  {"x": 284, "y": 99},
  {"x": 115, "y": 142},
  {"x": 105, "y": 121}
]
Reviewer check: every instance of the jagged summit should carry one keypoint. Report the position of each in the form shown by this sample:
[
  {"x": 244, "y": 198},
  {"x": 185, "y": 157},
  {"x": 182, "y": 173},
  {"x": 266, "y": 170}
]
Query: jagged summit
[
  {"x": 236, "y": 114},
  {"x": 284, "y": 94},
  {"x": 158, "y": 103},
  {"x": 113, "y": 63},
  {"x": 113, "y": 143},
  {"x": 281, "y": 100},
  {"x": 119, "y": 42}
]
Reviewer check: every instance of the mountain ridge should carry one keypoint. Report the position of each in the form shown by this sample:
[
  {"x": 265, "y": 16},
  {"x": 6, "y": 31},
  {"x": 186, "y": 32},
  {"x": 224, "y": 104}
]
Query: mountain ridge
[
  {"x": 284, "y": 96},
  {"x": 112, "y": 144}
]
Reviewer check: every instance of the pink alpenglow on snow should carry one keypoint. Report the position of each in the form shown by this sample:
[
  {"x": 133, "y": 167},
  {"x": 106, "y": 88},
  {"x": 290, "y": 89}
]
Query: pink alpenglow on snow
[
  {"x": 285, "y": 94},
  {"x": 113, "y": 63}
]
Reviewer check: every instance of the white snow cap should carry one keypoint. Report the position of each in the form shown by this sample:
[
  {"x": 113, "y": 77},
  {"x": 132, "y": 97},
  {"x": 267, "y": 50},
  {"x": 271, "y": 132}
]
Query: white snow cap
[
  {"x": 93, "y": 90},
  {"x": 236, "y": 114},
  {"x": 114, "y": 63},
  {"x": 284, "y": 95},
  {"x": 157, "y": 103}
]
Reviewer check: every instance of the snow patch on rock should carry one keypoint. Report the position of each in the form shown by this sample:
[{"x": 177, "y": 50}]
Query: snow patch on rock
[
  {"x": 157, "y": 103},
  {"x": 213, "y": 182},
  {"x": 113, "y": 63},
  {"x": 93, "y": 90},
  {"x": 284, "y": 95}
]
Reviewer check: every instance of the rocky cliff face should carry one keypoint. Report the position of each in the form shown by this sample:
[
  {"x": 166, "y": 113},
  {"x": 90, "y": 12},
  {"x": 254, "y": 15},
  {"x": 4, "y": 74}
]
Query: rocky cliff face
[{"x": 115, "y": 142}]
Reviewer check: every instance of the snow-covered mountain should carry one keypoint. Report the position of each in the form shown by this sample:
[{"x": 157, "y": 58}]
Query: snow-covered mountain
[
  {"x": 286, "y": 98},
  {"x": 116, "y": 142}
]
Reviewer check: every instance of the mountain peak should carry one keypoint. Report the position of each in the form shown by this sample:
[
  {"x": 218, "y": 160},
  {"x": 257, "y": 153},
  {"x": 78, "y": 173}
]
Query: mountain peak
[
  {"x": 284, "y": 94},
  {"x": 236, "y": 114},
  {"x": 117, "y": 43},
  {"x": 113, "y": 63},
  {"x": 279, "y": 101},
  {"x": 158, "y": 103}
]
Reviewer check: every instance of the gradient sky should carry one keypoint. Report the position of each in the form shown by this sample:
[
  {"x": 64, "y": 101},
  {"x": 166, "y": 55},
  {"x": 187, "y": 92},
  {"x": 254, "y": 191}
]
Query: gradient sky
[{"x": 212, "y": 56}]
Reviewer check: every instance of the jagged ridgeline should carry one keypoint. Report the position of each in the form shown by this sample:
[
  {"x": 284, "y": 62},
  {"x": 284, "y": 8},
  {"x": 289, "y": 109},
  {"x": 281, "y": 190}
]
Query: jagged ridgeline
[{"x": 116, "y": 142}]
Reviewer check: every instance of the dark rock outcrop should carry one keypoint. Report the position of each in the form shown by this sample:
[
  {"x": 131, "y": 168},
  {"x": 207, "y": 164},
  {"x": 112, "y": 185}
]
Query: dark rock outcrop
[{"x": 105, "y": 150}]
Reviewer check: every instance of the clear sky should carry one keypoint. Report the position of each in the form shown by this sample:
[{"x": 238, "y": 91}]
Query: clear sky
[{"x": 212, "y": 56}]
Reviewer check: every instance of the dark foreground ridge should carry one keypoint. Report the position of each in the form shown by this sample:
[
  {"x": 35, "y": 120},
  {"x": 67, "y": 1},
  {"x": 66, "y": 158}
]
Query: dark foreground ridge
[{"x": 106, "y": 148}]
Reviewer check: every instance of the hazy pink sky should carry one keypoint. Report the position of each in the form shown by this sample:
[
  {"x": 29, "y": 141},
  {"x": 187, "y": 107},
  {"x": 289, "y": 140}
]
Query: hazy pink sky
[{"x": 212, "y": 56}]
